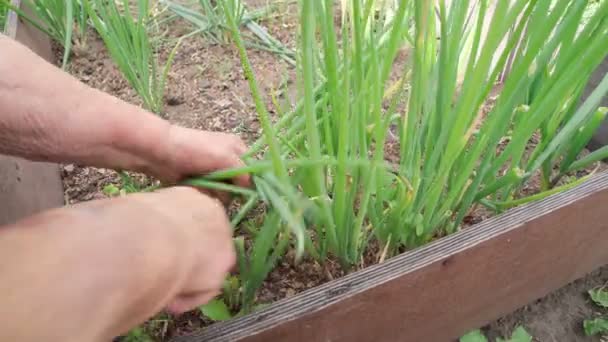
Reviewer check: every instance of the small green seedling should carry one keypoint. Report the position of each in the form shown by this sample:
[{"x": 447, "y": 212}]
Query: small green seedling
[
  {"x": 599, "y": 297},
  {"x": 519, "y": 335},
  {"x": 128, "y": 185},
  {"x": 137, "y": 335},
  {"x": 231, "y": 303},
  {"x": 216, "y": 310},
  {"x": 597, "y": 325},
  {"x": 111, "y": 190},
  {"x": 474, "y": 336}
]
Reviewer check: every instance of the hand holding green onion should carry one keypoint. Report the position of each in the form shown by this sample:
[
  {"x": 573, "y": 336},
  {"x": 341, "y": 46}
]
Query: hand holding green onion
[
  {"x": 127, "y": 257},
  {"x": 51, "y": 116}
]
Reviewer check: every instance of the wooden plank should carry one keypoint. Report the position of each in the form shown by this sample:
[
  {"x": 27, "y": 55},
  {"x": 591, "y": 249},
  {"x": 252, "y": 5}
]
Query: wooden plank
[
  {"x": 31, "y": 37},
  {"x": 440, "y": 291},
  {"x": 28, "y": 187}
]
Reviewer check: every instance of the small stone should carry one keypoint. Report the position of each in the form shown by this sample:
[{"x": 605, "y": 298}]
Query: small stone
[
  {"x": 69, "y": 168},
  {"x": 175, "y": 101}
]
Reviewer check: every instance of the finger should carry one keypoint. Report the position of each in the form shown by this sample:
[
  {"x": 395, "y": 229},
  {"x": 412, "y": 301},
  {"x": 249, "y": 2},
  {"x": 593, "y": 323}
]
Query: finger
[
  {"x": 185, "y": 303},
  {"x": 241, "y": 180},
  {"x": 239, "y": 147},
  {"x": 192, "y": 199},
  {"x": 232, "y": 142},
  {"x": 224, "y": 197}
]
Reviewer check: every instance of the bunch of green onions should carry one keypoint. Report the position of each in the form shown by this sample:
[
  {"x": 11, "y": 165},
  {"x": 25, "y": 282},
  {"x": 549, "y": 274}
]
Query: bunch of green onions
[{"x": 323, "y": 169}]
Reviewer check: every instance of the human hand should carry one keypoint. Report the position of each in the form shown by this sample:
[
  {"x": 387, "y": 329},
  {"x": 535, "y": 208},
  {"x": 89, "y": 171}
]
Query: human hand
[
  {"x": 106, "y": 266},
  {"x": 60, "y": 119},
  {"x": 190, "y": 243},
  {"x": 207, "y": 254},
  {"x": 192, "y": 152}
]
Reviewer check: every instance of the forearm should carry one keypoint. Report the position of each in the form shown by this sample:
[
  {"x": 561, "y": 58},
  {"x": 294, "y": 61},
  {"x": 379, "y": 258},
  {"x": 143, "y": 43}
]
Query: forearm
[
  {"x": 45, "y": 114},
  {"x": 76, "y": 278}
]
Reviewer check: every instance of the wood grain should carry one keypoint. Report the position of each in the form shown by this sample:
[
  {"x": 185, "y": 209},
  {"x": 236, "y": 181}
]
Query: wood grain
[
  {"x": 440, "y": 291},
  {"x": 28, "y": 187}
]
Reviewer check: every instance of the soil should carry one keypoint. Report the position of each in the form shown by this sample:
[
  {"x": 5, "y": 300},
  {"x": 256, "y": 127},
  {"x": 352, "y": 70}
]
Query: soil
[
  {"x": 557, "y": 317},
  {"x": 207, "y": 90}
]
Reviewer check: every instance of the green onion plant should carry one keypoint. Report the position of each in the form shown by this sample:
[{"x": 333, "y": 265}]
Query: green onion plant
[
  {"x": 268, "y": 246},
  {"x": 127, "y": 39},
  {"x": 212, "y": 10},
  {"x": 455, "y": 150},
  {"x": 211, "y": 21},
  {"x": 462, "y": 142}
]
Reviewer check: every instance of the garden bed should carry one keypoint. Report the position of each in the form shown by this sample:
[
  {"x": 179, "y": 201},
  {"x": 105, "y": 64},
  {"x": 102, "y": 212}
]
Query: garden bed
[
  {"x": 441, "y": 290},
  {"x": 438, "y": 292}
]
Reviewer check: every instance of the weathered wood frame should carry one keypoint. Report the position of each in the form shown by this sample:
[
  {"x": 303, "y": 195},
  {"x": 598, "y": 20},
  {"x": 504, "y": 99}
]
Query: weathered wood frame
[
  {"x": 442, "y": 290},
  {"x": 27, "y": 187}
]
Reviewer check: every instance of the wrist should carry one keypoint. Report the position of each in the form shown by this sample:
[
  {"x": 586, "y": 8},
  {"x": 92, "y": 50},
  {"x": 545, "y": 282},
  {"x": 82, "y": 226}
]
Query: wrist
[{"x": 135, "y": 139}]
